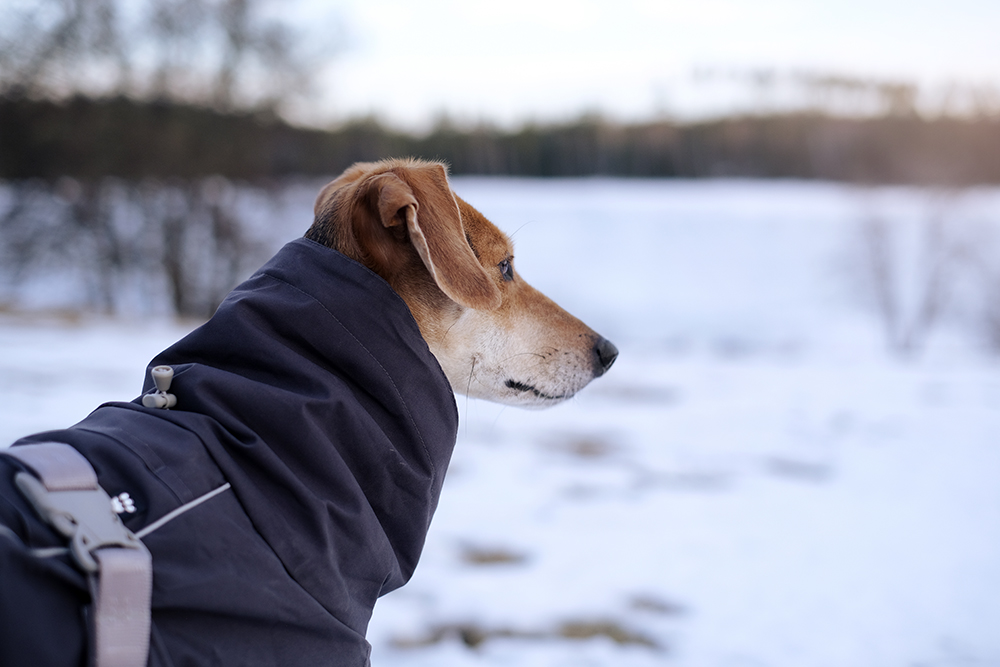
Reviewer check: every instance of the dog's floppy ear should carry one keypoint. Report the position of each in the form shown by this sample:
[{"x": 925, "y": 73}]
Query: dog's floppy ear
[{"x": 420, "y": 198}]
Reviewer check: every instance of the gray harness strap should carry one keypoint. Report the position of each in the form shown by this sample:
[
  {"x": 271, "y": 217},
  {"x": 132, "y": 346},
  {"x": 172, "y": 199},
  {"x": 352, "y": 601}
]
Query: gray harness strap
[{"x": 65, "y": 493}]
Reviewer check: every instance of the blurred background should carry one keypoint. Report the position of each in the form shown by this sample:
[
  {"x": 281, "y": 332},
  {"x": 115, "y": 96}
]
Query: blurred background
[{"x": 785, "y": 214}]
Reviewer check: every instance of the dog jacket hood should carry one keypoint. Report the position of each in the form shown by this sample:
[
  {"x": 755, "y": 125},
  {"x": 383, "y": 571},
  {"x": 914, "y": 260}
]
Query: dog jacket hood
[{"x": 312, "y": 392}]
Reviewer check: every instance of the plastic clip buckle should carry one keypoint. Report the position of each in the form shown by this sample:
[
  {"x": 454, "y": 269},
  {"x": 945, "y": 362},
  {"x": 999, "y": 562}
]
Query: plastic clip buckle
[{"x": 82, "y": 515}]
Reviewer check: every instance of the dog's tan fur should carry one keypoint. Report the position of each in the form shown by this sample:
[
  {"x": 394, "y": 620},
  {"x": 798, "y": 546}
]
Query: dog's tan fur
[{"x": 495, "y": 337}]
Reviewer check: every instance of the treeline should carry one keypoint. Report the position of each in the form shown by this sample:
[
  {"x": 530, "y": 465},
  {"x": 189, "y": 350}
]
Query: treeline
[{"x": 91, "y": 138}]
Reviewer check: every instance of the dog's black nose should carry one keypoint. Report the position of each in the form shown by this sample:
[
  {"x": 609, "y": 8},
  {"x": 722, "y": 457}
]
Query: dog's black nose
[{"x": 606, "y": 354}]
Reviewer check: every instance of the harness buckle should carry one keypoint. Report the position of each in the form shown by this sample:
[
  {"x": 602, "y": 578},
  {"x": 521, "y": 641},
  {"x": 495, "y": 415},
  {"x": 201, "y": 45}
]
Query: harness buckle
[{"x": 84, "y": 516}]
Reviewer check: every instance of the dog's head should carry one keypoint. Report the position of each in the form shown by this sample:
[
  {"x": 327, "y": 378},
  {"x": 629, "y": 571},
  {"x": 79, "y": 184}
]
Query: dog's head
[{"x": 495, "y": 336}]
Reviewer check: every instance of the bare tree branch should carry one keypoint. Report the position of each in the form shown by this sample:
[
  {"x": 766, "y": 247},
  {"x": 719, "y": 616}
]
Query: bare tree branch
[{"x": 225, "y": 54}]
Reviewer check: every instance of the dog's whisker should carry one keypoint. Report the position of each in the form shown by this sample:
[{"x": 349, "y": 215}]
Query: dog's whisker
[
  {"x": 523, "y": 354},
  {"x": 472, "y": 373},
  {"x": 468, "y": 390},
  {"x": 520, "y": 228},
  {"x": 494, "y": 424},
  {"x": 448, "y": 330}
]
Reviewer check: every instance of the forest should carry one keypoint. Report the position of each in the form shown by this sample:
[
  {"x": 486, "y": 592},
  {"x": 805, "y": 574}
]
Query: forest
[{"x": 92, "y": 137}]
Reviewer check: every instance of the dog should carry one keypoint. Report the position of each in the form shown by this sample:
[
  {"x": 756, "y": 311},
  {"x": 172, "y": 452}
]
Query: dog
[{"x": 293, "y": 478}]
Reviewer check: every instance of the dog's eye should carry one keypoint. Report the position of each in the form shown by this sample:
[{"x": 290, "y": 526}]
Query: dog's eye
[{"x": 506, "y": 270}]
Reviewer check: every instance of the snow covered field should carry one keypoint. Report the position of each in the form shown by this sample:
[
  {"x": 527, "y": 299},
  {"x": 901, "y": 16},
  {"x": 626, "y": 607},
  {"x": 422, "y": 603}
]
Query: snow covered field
[{"x": 756, "y": 481}]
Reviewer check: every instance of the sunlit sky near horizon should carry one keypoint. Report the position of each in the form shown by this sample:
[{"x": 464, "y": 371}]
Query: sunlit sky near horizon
[{"x": 507, "y": 62}]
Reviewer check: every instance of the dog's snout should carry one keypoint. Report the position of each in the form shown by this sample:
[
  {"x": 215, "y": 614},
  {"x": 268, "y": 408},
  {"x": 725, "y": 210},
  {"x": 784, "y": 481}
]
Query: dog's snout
[{"x": 605, "y": 353}]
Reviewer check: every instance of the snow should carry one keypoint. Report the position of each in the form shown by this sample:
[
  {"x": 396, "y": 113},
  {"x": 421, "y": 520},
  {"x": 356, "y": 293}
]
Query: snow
[{"x": 756, "y": 481}]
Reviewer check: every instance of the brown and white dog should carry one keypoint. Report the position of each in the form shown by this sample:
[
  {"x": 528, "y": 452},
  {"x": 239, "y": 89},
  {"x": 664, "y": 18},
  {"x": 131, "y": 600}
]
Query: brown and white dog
[
  {"x": 294, "y": 481},
  {"x": 495, "y": 336}
]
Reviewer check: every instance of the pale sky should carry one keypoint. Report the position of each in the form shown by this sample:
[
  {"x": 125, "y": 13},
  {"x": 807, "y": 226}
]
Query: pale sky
[{"x": 514, "y": 60}]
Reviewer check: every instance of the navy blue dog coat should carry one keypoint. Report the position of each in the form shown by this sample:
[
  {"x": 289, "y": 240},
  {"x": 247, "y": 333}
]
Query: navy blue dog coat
[{"x": 312, "y": 393}]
